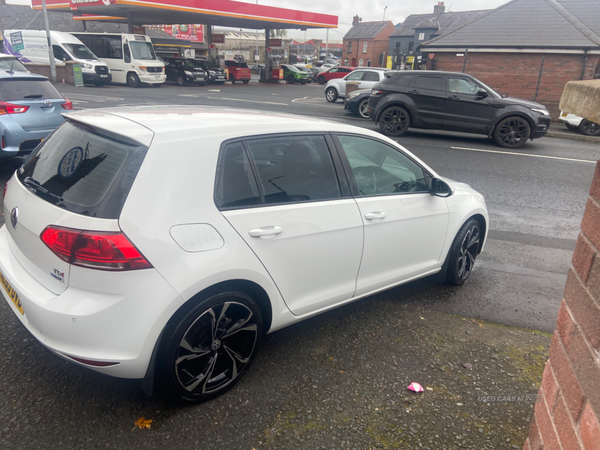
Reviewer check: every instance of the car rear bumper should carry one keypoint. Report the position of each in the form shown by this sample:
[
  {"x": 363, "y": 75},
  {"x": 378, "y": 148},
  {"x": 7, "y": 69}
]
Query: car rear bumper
[
  {"x": 116, "y": 324},
  {"x": 18, "y": 141}
]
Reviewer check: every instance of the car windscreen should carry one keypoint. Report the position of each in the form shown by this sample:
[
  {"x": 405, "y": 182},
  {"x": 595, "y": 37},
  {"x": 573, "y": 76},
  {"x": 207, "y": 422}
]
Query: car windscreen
[
  {"x": 80, "y": 51},
  {"x": 142, "y": 50},
  {"x": 82, "y": 171},
  {"x": 12, "y": 89},
  {"x": 12, "y": 64}
]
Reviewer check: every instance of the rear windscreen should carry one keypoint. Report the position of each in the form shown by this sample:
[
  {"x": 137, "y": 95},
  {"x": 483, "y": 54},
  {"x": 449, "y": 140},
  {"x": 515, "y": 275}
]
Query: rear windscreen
[
  {"x": 83, "y": 172},
  {"x": 27, "y": 89}
]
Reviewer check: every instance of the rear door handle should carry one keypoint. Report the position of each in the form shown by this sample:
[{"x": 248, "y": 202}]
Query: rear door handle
[
  {"x": 266, "y": 232},
  {"x": 375, "y": 215}
]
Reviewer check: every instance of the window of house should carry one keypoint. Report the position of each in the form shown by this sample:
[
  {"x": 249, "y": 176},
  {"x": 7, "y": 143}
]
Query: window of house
[
  {"x": 365, "y": 47},
  {"x": 360, "y": 63},
  {"x": 421, "y": 36},
  {"x": 349, "y": 47}
]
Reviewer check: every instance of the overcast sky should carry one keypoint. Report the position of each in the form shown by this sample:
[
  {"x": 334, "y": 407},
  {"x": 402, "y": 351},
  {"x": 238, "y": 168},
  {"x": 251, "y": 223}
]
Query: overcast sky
[{"x": 369, "y": 10}]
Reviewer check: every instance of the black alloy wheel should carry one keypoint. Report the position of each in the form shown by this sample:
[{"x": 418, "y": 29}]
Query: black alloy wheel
[
  {"x": 463, "y": 253},
  {"x": 589, "y": 128},
  {"x": 512, "y": 132},
  {"x": 394, "y": 121},
  {"x": 180, "y": 80},
  {"x": 133, "y": 80},
  {"x": 211, "y": 348},
  {"x": 363, "y": 108}
]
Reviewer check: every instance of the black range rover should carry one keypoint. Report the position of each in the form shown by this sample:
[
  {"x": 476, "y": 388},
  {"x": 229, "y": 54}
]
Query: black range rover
[{"x": 457, "y": 102}]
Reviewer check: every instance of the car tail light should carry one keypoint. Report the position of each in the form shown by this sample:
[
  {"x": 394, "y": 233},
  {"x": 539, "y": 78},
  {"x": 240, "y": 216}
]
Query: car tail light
[
  {"x": 94, "y": 249},
  {"x": 2, "y": 143},
  {"x": 10, "y": 108},
  {"x": 67, "y": 104}
]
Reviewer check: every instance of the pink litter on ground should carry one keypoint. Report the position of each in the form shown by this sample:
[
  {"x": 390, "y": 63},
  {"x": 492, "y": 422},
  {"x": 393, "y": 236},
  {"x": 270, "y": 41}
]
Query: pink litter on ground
[{"x": 415, "y": 387}]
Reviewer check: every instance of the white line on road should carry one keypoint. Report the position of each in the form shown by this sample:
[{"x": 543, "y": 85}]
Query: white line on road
[
  {"x": 247, "y": 101},
  {"x": 297, "y": 99},
  {"x": 214, "y": 90},
  {"x": 524, "y": 154},
  {"x": 189, "y": 95}
]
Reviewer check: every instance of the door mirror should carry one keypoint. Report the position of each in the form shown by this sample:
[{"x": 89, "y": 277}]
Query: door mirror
[
  {"x": 440, "y": 188},
  {"x": 481, "y": 94}
]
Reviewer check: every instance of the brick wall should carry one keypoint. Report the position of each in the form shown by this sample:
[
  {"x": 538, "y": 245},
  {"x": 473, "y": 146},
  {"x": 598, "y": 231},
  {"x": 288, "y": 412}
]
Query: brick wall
[
  {"x": 568, "y": 415},
  {"x": 516, "y": 74},
  {"x": 63, "y": 72}
]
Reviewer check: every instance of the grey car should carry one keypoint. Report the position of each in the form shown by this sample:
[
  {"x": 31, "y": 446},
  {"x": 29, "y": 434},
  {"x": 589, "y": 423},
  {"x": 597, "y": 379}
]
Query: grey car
[{"x": 30, "y": 109}]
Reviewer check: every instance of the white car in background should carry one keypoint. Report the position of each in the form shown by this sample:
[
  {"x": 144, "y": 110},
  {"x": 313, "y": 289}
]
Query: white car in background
[
  {"x": 267, "y": 223},
  {"x": 367, "y": 77},
  {"x": 580, "y": 124}
]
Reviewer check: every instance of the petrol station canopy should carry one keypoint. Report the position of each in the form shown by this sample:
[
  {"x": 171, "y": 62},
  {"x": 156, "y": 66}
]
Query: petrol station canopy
[{"x": 226, "y": 13}]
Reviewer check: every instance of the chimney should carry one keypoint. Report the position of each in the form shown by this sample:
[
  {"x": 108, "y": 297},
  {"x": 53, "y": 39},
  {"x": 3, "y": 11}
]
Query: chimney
[
  {"x": 439, "y": 9},
  {"x": 356, "y": 20}
]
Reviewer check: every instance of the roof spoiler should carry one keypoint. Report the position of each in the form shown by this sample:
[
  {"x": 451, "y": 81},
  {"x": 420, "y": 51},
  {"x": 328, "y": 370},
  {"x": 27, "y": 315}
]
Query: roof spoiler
[{"x": 104, "y": 123}]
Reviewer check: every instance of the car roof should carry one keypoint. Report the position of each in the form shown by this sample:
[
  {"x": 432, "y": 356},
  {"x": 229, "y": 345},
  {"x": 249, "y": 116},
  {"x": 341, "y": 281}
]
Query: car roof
[
  {"x": 172, "y": 123},
  {"x": 4, "y": 74}
]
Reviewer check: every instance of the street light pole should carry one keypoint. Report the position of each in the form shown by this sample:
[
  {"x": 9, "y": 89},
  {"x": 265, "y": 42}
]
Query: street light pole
[
  {"x": 384, "y": 8},
  {"x": 50, "y": 52}
]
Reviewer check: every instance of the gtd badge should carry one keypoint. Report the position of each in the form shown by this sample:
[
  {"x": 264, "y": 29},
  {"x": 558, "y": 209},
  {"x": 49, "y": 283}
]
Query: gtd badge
[{"x": 14, "y": 217}]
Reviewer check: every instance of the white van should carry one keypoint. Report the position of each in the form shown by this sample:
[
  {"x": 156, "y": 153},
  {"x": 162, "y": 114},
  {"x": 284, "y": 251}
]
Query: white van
[
  {"x": 130, "y": 57},
  {"x": 32, "y": 47}
]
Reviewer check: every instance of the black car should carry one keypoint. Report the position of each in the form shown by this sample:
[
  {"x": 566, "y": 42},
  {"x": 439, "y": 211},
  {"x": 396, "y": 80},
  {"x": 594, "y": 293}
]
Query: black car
[
  {"x": 216, "y": 75},
  {"x": 185, "y": 71},
  {"x": 454, "y": 101},
  {"x": 357, "y": 102}
]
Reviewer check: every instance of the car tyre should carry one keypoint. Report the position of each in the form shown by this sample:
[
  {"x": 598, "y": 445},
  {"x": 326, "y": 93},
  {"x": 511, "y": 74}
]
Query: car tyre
[
  {"x": 208, "y": 349},
  {"x": 321, "y": 79},
  {"x": 290, "y": 79},
  {"x": 331, "y": 95},
  {"x": 133, "y": 80},
  {"x": 363, "y": 108},
  {"x": 180, "y": 80},
  {"x": 463, "y": 252},
  {"x": 394, "y": 121},
  {"x": 303, "y": 82},
  {"x": 246, "y": 81},
  {"x": 589, "y": 128},
  {"x": 512, "y": 132}
]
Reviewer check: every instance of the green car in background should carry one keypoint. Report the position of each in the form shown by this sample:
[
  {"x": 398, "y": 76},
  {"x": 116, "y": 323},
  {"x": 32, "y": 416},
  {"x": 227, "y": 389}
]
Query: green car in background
[{"x": 291, "y": 74}]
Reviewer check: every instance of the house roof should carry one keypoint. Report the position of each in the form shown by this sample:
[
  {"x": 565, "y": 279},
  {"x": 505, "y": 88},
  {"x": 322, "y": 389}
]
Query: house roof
[
  {"x": 448, "y": 21},
  {"x": 367, "y": 30},
  {"x": 530, "y": 24}
]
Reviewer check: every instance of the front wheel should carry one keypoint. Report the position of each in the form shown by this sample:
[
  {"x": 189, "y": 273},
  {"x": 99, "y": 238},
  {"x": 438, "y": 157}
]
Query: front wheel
[
  {"x": 133, "y": 80},
  {"x": 321, "y": 79},
  {"x": 290, "y": 79},
  {"x": 180, "y": 80},
  {"x": 363, "y": 108},
  {"x": 463, "y": 252},
  {"x": 331, "y": 95},
  {"x": 210, "y": 348},
  {"x": 589, "y": 128},
  {"x": 394, "y": 121},
  {"x": 512, "y": 132}
]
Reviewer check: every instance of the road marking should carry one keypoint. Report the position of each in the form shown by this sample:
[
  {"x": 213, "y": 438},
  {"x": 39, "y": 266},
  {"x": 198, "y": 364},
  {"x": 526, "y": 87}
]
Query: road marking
[
  {"x": 525, "y": 154},
  {"x": 248, "y": 101},
  {"x": 189, "y": 95},
  {"x": 214, "y": 90},
  {"x": 296, "y": 99}
]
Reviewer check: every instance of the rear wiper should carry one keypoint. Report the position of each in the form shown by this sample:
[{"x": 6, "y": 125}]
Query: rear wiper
[
  {"x": 38, "y": 187},
  {"x": 33, "y": 96}
]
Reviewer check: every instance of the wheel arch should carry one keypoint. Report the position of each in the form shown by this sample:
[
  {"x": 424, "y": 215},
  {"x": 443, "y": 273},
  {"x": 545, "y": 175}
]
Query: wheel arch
[{"x": 396, "y": 102}]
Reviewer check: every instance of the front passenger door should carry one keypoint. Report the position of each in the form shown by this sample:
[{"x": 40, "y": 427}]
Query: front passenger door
[{"x": 465, "y": 109}]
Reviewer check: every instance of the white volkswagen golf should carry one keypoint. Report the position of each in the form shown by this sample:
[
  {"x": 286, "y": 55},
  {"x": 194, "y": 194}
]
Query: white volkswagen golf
[{"x": 161, "y": 243}]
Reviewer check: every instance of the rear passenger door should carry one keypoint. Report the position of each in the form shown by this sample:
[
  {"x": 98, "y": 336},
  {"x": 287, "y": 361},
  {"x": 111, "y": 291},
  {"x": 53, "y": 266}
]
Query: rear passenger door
[
  {"x": 282, "y": 194},
  {"x": 428, "y": 94}
]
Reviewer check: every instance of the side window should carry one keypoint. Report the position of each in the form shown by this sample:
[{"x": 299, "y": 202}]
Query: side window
[
  {"x": 402, "y": 80},
  {"x": 355, "y": 76},
  {"x": 115, "y": 51},
  {"x": 461, "y": 85},
  {"x": 428, "y": 82},
  {"x": 380, "y": 169},
  {"x": 333, "y": 70},
  {"x": 294, "y": 169},
  {"x": 371, "y": 76},
  {"x": 60, "y": 54},
  {"x": 236, "y": 185}
]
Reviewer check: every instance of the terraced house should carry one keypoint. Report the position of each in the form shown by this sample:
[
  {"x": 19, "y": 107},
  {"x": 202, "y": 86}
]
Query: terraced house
[{"x": 366, "y": 43}]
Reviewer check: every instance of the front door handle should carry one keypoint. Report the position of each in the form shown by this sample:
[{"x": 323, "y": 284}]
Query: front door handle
[
  {"x": 375, "y": 215},
  {"x": 412, "y": 91},
  {"x": 453, "y": 97},
  {"x": 265, "y": 232}
]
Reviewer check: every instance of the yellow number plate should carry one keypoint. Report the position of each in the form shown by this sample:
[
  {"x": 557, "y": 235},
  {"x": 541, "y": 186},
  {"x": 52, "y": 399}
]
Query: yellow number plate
[
  {"x": 564, "y": 114},
  {"x": 11, "y": 293}
]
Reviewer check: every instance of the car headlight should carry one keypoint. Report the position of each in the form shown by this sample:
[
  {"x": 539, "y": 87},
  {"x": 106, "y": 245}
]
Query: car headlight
[
  {"x": 351, "y": 95},
  {"x": 86, "y": 66},
  {"x": 188, "y": 73},
  {"x": 543, "y": 112}
]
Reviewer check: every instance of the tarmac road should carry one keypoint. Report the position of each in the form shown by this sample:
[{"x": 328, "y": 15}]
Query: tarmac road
[{"x": 339, "y": 380}]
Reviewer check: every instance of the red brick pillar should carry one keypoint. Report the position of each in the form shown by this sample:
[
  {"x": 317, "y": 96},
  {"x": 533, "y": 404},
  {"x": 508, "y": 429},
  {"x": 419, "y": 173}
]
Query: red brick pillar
[{"x": 568, "y": 415}]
